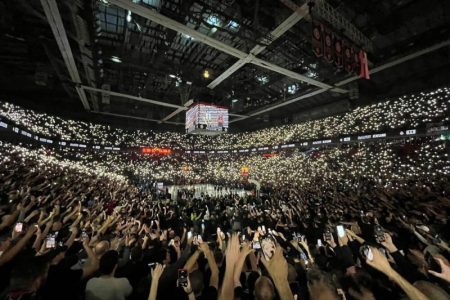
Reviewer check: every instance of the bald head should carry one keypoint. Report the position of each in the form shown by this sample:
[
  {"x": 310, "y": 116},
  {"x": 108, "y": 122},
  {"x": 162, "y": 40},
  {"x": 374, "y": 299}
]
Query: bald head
[{"x": 264, "y": 289}]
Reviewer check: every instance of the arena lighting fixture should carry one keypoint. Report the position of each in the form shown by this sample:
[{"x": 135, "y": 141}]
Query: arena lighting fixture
[
  {"x": 213, "y": 20},
  {"x": 214, "y": 29},
  {"x": 129, "y": 16},
  {"x": 138, "y": 26},
  {"x": 172, "y": 76},
  {"x": 292, "y": 89},
  {"x": 116, "y": 59},
  {"x": 233, "y": 25},
  {"x": 262, "y": 79},
  {"x": 234, "y": 100},
  {"x": 206, "y": 74}
]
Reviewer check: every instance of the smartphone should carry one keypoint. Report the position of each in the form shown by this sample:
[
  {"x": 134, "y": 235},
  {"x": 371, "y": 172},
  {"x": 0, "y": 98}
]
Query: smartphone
[
  {"x": 84, "y": 235},
  {"x": 18, "y": 227},
  {"x": 366, "y": 252},
  {"x": 151, "y": 264},
  {"x": 268, "y": 248},
  {"x": 319, "y": 243},
  {"x": 256, "y": 245},
  {"x": 263, "y": 229},
  {"x": 243, "y": 237},
  {"x": 432, "y": 263},
  {"x": 303, "y": 256},
  {"x": 189, "y": 234},
  {"x": 183, "y": 277},
  {"x": 199, "y": 238},
  {"x": 379, "y": 234},
  {"x": 340, "y": 231},
  {"x": 203, "y": 226},
  {"x": 50, "y": 242},
  {"x": 327, "y": 235}
]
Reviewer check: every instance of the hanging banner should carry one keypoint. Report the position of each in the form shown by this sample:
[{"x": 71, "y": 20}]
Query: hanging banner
[
  {"x": 328, "y": 49},
  {"x": 356, "y": 61},
  {"x": 338, "y": 55},
  {"x": 364, "y": 69},
  {"x": 348, "y": 58},
  {"x": 317, "y": 39}
]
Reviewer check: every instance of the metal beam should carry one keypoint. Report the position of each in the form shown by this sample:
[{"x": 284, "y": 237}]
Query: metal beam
[
  {"x": 200, "y": 37},
  {"x": 88, "y": 88},
  {"x": 173, "y": 114},
  {"x": 380, "y": 68},
  {"x": 134, "y": 117},
  {"x": 156, "y": 102},
  {"x": 54, "y": 19},
  {"x": 276, "y": 33},
  {"x": 176, "y": 112}
]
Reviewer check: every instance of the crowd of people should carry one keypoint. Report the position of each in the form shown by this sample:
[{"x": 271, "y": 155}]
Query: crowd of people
[
  {"x": 405, "y": 112},
  {"x": 352, "y": 221},
  {"x": 391, "y": 164},
  {"x": 360, "y": 222}
]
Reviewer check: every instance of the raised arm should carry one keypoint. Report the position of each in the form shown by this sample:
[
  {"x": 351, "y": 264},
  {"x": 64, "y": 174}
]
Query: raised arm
[
  {"x": 278, "y": 269},
  {"x": 231, "y": 256},
  {"x": 214, "y": 279},
  {"x": 156, "y": 274},
  {"x": 11, "y": 253},
  {"x": 381, "y": 263}
]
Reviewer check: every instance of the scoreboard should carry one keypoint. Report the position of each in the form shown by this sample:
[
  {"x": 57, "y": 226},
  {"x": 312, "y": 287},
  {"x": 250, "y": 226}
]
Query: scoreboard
[{"x": 206, "y": 119}]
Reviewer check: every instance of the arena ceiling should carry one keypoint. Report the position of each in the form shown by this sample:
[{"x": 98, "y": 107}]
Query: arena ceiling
[{"x": 153, "y": 55}]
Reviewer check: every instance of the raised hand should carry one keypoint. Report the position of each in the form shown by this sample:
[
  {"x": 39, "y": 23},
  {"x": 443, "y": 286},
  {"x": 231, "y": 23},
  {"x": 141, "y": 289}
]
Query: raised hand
[
  {"x": 388, "y": 244},
  {"x": 277, "y": 267},
  {"x": 31, "y": 230},
  {"x": 445, "y": 270},
  {"x": 232, "y": 251},
  {"x": 245, "y": 251},
  {"x": 188, "y": 288},
  {"x": 157, "y": 272},
  {"x": 379, "y": 261}
]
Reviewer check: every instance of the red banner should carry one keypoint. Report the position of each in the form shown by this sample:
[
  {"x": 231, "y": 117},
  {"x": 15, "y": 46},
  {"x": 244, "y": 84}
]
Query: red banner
[
  {"x": 356, "y": 62},
  {"x": 317, "y": 39},
  {"x": 364, "y": 72},
  {"x": 338, "y": 55},
  {"x": 328, "y": 48}
]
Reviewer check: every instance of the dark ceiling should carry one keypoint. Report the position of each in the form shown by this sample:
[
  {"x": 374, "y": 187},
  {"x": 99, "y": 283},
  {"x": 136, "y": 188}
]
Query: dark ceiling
[{"x": 167, "y": 66}]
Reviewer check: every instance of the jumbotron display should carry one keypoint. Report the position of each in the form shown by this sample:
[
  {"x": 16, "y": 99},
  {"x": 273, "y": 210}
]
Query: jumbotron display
[{"x": 203, "y": 118}]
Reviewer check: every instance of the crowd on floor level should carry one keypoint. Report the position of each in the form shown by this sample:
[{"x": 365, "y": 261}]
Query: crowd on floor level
[
  {"x": 367, "y": 222},
  {"x": 390, "y": 164},
  {"x": 406, "y": 112}
]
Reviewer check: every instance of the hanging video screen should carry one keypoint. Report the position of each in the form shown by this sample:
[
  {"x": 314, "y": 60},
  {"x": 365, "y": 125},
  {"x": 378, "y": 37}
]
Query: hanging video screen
[{"x": 207, "y": 117}]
